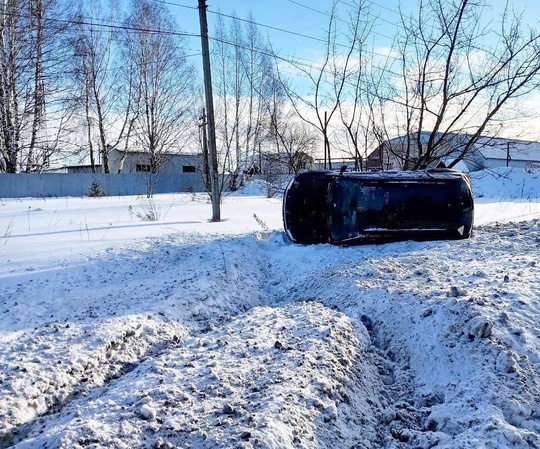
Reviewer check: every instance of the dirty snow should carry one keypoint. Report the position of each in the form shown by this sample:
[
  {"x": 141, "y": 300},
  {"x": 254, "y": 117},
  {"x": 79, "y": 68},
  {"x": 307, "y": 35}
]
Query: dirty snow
[{"x": 117, "y": 332}]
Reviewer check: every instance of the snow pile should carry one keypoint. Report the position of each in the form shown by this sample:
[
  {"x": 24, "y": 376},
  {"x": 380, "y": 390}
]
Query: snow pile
[
  {"x": 48, "y": 367},
  {"x": 239, "y": 384},
  {"x": 505, "y": 183},
  {"x": 255, "y": 187},
  {"x": 122, "y": 333}
]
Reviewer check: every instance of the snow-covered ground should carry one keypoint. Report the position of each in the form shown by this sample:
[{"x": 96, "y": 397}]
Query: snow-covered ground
[{"x": 117, "y": 332}]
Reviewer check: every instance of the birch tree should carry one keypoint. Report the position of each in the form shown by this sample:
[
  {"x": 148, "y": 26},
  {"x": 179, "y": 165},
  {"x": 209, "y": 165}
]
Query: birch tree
[
  {"x": 163, "y": 81},
  {"x": 31, "y": 62},
  {"x": 103, "y": 81},
  {"x": 11, "y": 31},
  {"x": 243, "y": 71},
  {"x": 229, "y": 79}
]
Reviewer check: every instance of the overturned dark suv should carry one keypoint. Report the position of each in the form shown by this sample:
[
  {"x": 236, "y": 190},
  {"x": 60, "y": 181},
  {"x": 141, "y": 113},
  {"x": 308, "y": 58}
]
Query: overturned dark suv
[{"x": 357, "y": 207}]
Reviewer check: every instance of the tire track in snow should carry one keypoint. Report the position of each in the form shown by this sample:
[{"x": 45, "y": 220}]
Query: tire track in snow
[
  {"x": 366, "y": 282},
  {"x": 305, "y": 276},
  {"x": 430, "y": 306},
  {"x": 83, "y": 360},
  {"x": 331, "y": 397},
  {"x": 283, "y": 384},
  {"x": 42, "y": 380}
]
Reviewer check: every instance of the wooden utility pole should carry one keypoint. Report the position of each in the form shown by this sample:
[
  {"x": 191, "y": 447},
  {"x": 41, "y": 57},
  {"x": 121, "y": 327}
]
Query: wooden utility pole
[
  {"x": 206, "y": 175},
  {"x": 211, "y": 127},
  {"x": 326, "y": 143}
]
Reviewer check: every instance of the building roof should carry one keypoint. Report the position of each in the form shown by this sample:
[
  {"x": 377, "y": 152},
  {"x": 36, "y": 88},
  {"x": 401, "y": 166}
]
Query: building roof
[
  {"x": 495, "y": 147},
  {"x": 70, "y": 167},
  {"x": 499, "y": 148},
  {"x": 169, "y": 153}
]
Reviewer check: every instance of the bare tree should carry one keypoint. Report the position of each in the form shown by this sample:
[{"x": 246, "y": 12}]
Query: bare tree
[
  {"x": 244, "y": 69},
  {"x": 92, "y": 60},
  {"x": 358, "y": 105},
  {"x": 229, "y": 80},
  {"x": 163, "y": 79},
  {"x": 103, "y": 80},
  {"x": 15, "y": 72},
  {"x": 259, "y": 72},
  {"x": 338, "y": 71},
  {"x": 38, "y": 17},
  {"x": 458, "y": 78},
  {"x": 296, "y": 146},
  {"x": 30, "y": 61},
  {"x": 293, "y": 140}
]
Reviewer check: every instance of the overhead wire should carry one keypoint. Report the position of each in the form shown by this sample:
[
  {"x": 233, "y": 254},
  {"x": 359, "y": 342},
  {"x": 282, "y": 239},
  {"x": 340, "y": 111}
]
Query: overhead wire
[
  {"x": 299, "y": 63},
  {"x": 326, "y": 14},
  {"x": 282, "y": 30},
  {"x": 113, "y": 25},
  {"x": 287, "y": 58},
  {"x": 271, "y": 27},
  {"x": 393, "y": 11}
]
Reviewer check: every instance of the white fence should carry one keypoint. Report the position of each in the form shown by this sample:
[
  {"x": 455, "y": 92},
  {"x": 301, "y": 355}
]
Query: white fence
[{"x": 24, "y": 185}]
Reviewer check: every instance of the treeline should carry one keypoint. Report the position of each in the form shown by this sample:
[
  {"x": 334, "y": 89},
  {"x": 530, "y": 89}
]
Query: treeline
[{"x": 80, "y": 79}]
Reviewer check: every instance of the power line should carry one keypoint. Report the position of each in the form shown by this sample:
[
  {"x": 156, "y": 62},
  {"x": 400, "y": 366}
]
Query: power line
[
  {"x": 175, "y": 4},
  {"x": 100, "y": 23},
  {"x": 341, "y": 20},
  {"x": 252, "y": 22},
  {"x": 123, "y": 27},
  {"x": 313, "y": 38},
  {"x": 274, "y": 28},
  {"x": 372, "y": 3},
  {"x": 294, "y": 61},
  {"x": 290, "y": 59},
  {"x": 309, "y": 8}
]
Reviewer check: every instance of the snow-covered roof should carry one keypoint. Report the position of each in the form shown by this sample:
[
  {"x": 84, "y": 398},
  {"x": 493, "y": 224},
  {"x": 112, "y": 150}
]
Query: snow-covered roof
[
  {"x": 165, "y": 153},
  {"x": 498, "y": 148},
  {"x": 492, "y": 147}
]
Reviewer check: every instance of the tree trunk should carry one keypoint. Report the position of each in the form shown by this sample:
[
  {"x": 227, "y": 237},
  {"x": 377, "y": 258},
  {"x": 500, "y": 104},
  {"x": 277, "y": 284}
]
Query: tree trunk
[{"x": 38, "y": 100}]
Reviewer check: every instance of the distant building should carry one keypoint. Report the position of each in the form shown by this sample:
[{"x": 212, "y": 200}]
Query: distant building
[
  {"x": 76, "y": 169},
  {"x": 488, "y": 152},
  {"x": 279, "y": 163},
  {"x": 492, "y": 153},
  {"x": 140, "y": 162},
  {"x": 337, "y": 163}
]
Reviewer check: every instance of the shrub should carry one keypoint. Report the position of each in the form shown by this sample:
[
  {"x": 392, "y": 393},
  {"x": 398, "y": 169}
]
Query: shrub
[
  {"x": 95, "y": 190},
  {"x": 149, "y": 211}
]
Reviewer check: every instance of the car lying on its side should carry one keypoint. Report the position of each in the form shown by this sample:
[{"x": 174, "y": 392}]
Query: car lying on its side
[{"x": 356, "y": 207}]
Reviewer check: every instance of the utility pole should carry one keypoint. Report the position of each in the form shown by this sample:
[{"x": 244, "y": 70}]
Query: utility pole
[
  {"x": 205, "y": 151},
  {"x": 326, "y": 142},
  {"x": 212, "y": 153}
]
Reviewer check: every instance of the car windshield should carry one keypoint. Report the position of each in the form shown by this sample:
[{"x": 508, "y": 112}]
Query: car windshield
[{"x": 360, "y": 207}]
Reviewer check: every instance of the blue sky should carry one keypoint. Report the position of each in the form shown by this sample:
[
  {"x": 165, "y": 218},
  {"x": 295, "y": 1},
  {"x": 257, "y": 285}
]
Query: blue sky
[
  {"x": 305, "y": 20},
  {"x": 292, "y": 25}
]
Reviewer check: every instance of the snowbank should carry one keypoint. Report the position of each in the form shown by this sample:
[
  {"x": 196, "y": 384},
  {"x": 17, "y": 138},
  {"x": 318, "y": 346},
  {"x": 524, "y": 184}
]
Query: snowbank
[
  {"x": 505, "y": 183},
  {"x": 122, "y": 333}
]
